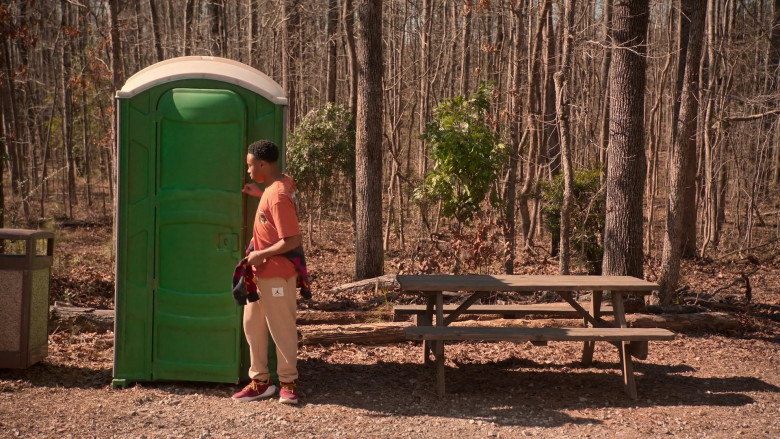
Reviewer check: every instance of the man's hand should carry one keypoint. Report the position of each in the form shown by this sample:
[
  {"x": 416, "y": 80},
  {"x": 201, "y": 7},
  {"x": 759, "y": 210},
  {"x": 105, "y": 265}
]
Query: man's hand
[
  {"x": 256, "y": 258},
  {"x": 252, "y": 190},
  {"x": 281, "y": 246}
]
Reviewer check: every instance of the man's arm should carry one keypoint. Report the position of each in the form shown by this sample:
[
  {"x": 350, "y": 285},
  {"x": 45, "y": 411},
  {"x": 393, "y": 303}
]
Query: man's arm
[
  {"x": 252, "y": 190},
  {"x": 280, "y": 247}
]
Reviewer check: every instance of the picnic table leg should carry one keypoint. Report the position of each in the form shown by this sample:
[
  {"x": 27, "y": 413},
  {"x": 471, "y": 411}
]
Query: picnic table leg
[
  {"x": 439, "y": 347},
  {"x": 427, "y": 321},
  {"x": 440, "y": 369},
  {"x": 595, "y": 310},
  {"x": 625, "y": 352},
  {"x": 639, "y": 349}
]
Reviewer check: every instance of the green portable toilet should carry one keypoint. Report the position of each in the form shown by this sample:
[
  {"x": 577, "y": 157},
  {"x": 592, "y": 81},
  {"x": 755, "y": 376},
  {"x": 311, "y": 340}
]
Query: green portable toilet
[{"x": 182, "y": 222}]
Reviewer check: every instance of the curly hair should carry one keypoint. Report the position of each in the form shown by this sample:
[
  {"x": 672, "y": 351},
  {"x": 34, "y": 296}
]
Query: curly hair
[{"x": 264, "y": 150}]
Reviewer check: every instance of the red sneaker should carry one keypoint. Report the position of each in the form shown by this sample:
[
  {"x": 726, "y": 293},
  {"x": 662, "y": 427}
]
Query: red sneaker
[
  {"x": 255, "y": 390},
  {"x": 289, "y": 393}
]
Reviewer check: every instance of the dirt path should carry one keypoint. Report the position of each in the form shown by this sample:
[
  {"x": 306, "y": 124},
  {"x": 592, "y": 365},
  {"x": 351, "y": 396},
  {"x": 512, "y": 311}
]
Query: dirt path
[{"x": 694, "y": 386}]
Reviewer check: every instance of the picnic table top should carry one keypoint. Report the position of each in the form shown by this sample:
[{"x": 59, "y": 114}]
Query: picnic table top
[{"x": 522, "y": 283}]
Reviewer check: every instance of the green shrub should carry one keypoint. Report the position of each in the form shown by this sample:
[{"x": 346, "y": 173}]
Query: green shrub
[
  {"x": 321, "y": 148},
  {"x": 467, "y": 156},
  {"x": 587, "y": 216}
]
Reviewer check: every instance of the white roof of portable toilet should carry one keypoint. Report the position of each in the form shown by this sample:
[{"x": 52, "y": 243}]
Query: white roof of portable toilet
[{"x": 204, "y": 67}]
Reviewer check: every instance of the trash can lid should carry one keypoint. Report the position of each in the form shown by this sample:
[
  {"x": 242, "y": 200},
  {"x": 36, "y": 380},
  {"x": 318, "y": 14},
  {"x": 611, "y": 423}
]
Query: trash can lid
[{"x": 204, "y": 67}]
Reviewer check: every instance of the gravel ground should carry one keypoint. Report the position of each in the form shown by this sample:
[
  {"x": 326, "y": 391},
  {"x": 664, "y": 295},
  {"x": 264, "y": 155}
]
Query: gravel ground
[{"x": 699, "y": 385}]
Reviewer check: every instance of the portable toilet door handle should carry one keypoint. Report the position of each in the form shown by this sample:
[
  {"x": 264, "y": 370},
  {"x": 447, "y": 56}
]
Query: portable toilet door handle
[{"x": 227, "y": 242}]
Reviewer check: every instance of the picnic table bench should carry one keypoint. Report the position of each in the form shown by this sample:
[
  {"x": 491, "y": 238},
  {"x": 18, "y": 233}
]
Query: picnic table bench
[
  {"x": 629, "y": 341},
  {"x": 511, "y": 311}
]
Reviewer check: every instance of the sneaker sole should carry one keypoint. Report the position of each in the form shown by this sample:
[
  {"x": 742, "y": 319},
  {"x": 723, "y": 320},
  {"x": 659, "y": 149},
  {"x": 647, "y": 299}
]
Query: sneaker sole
[
  {"x": 268, "y": 392},
  {"x": 288, "y": 401}
]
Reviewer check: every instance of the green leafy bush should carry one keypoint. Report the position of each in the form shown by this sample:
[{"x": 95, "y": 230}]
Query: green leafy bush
[
  {"x": 321, "y": 148},
  {"x": 467, "y": 155},
  {"x": 587, "y": 216}
]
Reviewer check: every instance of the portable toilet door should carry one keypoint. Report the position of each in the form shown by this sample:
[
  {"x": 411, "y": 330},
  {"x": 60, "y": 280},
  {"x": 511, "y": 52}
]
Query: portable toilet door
[{"x": 182, "y": 222}]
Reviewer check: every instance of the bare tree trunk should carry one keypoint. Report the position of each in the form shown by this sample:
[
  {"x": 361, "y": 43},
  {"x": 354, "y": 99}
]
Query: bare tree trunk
[
  {"x": 45, "y": 158},
  {"x": 67, "y": 113},
  {"x": 496, "y": 49},
  {"x": 688, "y": 231},
  {"x": 116, "y": 79},
  {"x": 683, "y": 154},
  {"x": 333, "y": 22},
  {"x": 138, "y": 44},
  {"x": 684, "y": 23},
  {"x": 401, "y": 205},
  {"x": 85, "y": 137},
  {"x": 15, "y": 126},
  {"x": 11, "y": 119},
  {"x": 158, "y": 49},
  {"x": 25, "y": 120},
  {"x": 369, "y": 258},
  {"x": 510, "y": 186},
  {"x": 450, "y": 79},
  {"x": 172, "y": 34},
  {"x": 116, "y": 48},
  {"x": 627, "y": 164},
  {"x": 425, "y": 43},
  {"x": 562, "y": 78},
  {"x": 654, "y": 131},
  {"x": 84, "y": 112},
  {"x": 774, "y": 72},
  {"x": 606, "y": 23},
  {"x": 2, "y": 165},
  {"x": 254, "y": 30},
  {"x": 349, "y": 33},
  {"x": 550, "y": 141},
  {"x": 217, "y": 16},
  {"x": 532, "y": 126},
  {"x": 239, "y": 24},
  {"x": 187, "y": 40},
  {"x": 712, "y": 145},
  {"x": 390, "y": 206},
  {"x": 776, "y": 155},
  {"x": 117, "y": 72},
  {"x": 465, "y": 52},
  {"x": 290, "y": 44}
]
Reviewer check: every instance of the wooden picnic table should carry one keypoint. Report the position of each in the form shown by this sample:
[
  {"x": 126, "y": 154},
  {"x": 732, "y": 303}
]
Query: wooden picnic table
[{"x": 630, "y": 341}]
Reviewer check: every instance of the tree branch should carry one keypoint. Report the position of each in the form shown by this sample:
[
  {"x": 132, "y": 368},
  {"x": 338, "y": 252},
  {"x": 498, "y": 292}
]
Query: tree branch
[{"x": 750, "y": 116}]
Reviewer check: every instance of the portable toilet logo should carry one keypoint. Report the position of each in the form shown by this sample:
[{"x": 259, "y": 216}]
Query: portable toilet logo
[{"x": 182, "y": 223}]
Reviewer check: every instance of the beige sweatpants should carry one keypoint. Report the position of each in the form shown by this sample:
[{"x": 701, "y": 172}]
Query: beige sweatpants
[{"x": 275, "y": 311}]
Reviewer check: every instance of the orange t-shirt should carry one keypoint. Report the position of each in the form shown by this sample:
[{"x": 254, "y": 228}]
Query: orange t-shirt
[{"x": 276, "y": 219}]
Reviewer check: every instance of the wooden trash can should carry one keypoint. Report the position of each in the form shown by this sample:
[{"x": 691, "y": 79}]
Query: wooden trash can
[{"x": 26, "y": 258}]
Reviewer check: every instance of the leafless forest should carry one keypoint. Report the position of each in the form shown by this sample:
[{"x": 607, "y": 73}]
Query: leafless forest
[{"x": 681, "y": 123}]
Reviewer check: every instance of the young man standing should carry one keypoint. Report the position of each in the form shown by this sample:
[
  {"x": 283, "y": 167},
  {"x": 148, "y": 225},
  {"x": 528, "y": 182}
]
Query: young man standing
[{"x": 275, "y": 233}]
